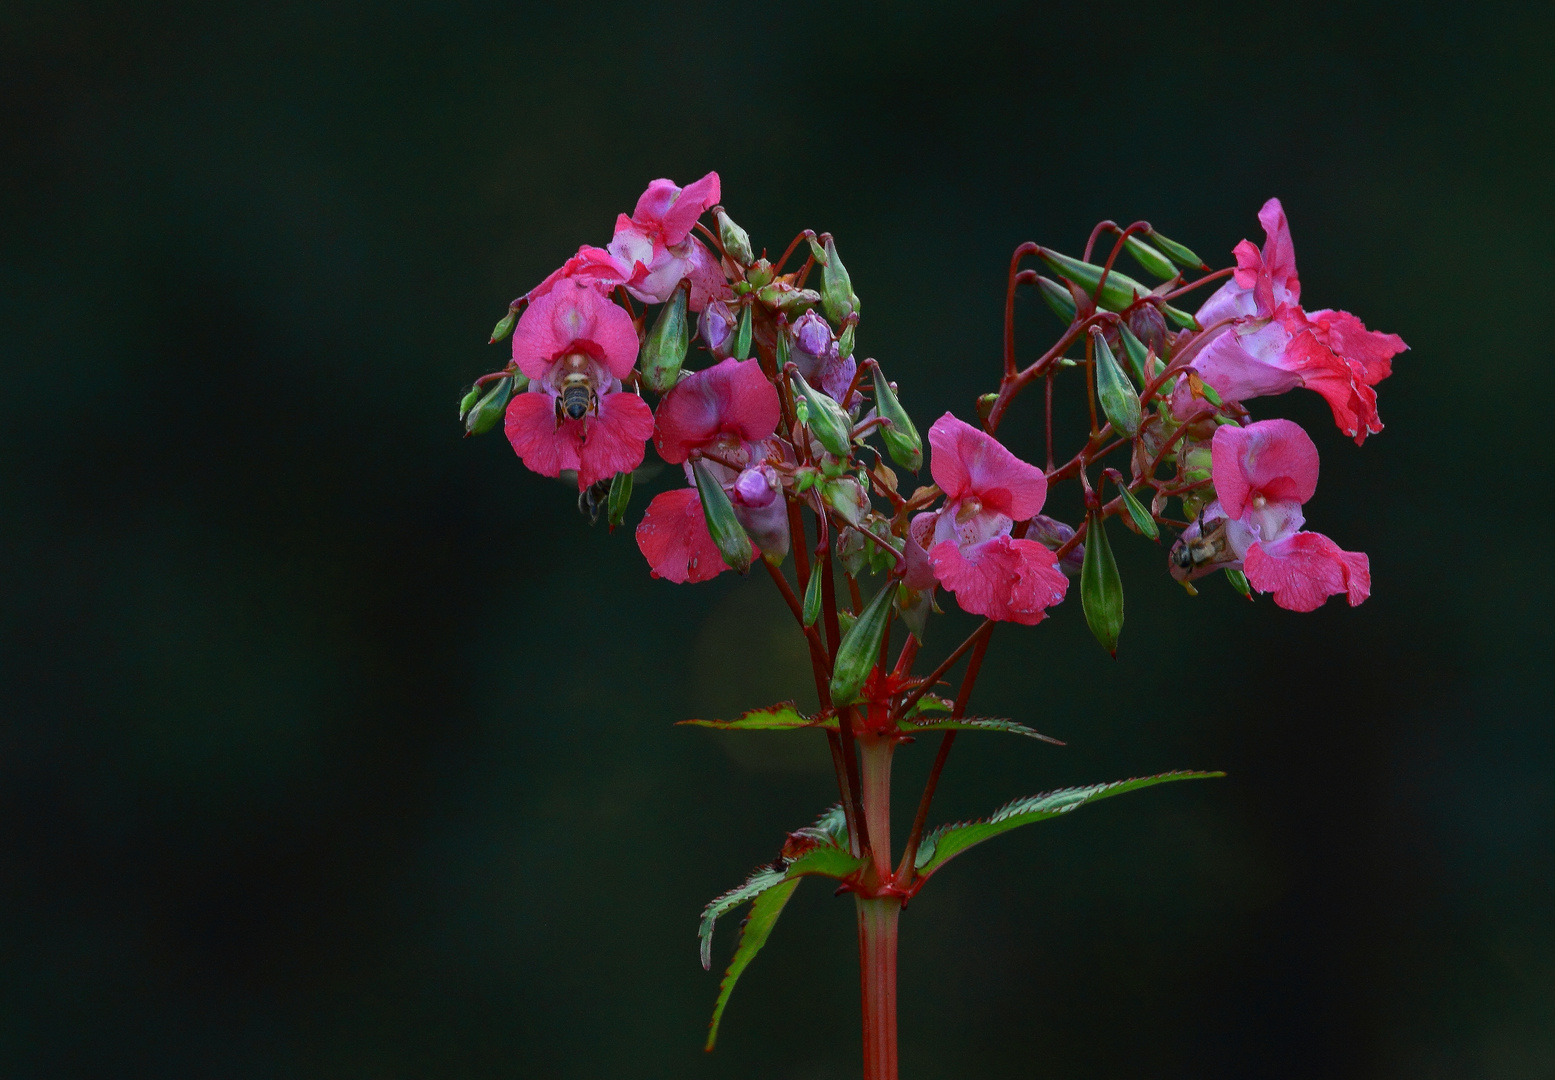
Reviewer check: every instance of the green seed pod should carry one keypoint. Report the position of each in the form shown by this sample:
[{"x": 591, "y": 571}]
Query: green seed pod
[
  {"x": 846, "y": 496},
  {"x": 468, "y": 400},
  {"x": 1119, "y": 292},
  {"x": 489, "y": 409},
  {"x": 665, "y": 350},
  {"x": 838, "y": 299},
  {"x": 1138, "y": 514},
  {"x": 1101, "y": 589},
  {"x": 812, "y": 597},
  {"x": 860, "y": 647},
  {"x": 620, "y": 495},
  {"x": 1181, "y": 318},
  {"x": 505, "y": 327},
  {"x": 1057, "y": 298},
  {"x": 1239, "y": 583},
  {"x": 1138, "y": 353},
  {"x": 828, "y": 423},
  {"x": 1151, "y": 259},
  {"x": 1178, "y": 254},
  {"x": 900, "y": 436},
  {"x": 736, "y": 241},
  {"x": 742, "y": 336},
  {"x": 1119, "y": 399},
  {"x": 733, "y": 544}
]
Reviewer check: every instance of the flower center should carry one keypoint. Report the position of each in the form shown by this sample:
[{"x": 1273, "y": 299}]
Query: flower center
[
  {"x": 968, "y": 510},
  {"x": 1259, "y": 502}
]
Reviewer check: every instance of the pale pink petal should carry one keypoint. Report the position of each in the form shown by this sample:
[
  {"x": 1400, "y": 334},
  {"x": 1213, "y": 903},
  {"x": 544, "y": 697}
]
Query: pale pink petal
[
  {"x": 920, "y": 537},
  {"x": 706, "y": 275},
  {"x": 1305, "y": 569},
  {"x": 969, "y": 462},
  {"x": 673, "y": 537},
  {"x": 671, "y": 210},
  {"x": 531, "y": 426},
  {"x": 574, "y": 317},
  {"x": 732, "y": 398},
  {"x": 615, "y": 439},
  {"x": 1005, "y": 579},
  {"x": 1279, "y": 255},
  {"x": 1230, "y": 301},
  {"x": 1247, "y": 362},
  {"x": 1272, "y": 458}
]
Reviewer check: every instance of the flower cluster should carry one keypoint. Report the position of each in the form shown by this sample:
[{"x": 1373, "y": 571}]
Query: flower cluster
[{"x": 779, "y": 420}]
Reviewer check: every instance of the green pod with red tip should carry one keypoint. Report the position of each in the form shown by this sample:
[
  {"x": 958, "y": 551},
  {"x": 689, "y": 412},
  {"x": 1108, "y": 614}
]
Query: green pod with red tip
[
  {"x": 859, "y": 649},
  {"x": 901, "y": 437},
  {"x": 728, "y": 535},
  {"x": 664, "y": 351},
  {"x": 1119, "y": 400}
]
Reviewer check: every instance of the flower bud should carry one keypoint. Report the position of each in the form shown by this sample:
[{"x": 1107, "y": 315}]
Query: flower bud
[
  {"x": 759, "y": 274},
  {"x": 1151, "y": 259},
  {"x": 489, "y": 409},
  {"x": 468, "y": 400},
  {"x": 1144, "y": 523},
  {"x": 620, "y": 496},
  {"x": 859, "y": 650},
  {"x": 900, "y": 436},
  {"x": 1054, "y": 534},
  {"x": 716, "y": 328},
  {"x": 1119, "y": 399},
  {"x": 830, "y": 425},
  {"x": 845, "y": 339},
  {"x": 851, "y": 552},
  {"x": 736, "y": 241},
  {"x": 787, "y": 300},
  {"x": 1101, "y": 588},
  {"x": 730, "y": 538},
  {"x": 665, "y": 349},
  {"x": 838, "y": 299},
  {"x": 1178, "y": 254},
  {"x": 757, "y": 497},
  {"x": 985, "y": 405},
  {"x": 1149, "y": 327},
  {"x": 1057, "y": 298},
  {"x": 847, "y": 498},
  {"x": 505, "y": 327}
]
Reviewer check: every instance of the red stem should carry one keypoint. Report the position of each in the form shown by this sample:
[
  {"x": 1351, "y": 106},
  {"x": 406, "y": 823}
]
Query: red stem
[{"x": 877, "y": 937}]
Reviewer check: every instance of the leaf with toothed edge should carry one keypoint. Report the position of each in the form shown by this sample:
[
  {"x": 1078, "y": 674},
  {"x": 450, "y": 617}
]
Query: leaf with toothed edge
[
  {"x": 818, "y": 852},
  {"x": 786, "y": 717},
  {"x": 948, "y": 841},
  {"x": 973, "y": 723}
]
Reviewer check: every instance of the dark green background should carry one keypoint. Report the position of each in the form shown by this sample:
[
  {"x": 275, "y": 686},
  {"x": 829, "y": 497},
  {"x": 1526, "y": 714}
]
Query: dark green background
[{"x": 335, "y": 746}]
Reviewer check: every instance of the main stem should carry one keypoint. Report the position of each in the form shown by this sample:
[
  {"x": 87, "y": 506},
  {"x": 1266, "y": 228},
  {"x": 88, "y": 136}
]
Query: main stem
[{"x": 877, "y": 917}]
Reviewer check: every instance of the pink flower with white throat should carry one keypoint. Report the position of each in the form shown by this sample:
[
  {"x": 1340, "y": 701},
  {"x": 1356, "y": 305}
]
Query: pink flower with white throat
[
  {"x": 1263, "y": 474},
  {"x": 656, "y": 242},
  {"x": 1274, "y": 345},
  {"x": 967, "y": 541},
  {"x": 576, "y": 347}
]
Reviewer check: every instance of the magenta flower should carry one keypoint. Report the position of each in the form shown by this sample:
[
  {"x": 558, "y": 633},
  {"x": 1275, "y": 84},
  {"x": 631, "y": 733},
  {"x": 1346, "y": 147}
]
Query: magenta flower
[
  {"x": 1274, "y": 345},
  {"x": 968, "y": 542},
  {"x": 656, "y": 242},
  {"x": 576, "y": 346},
  {"x": 1263, "y": 474},
  {"x": 729, "y": 409},
  {"x": 591, "y": 266},
  {"x": 673, "y": 537}
]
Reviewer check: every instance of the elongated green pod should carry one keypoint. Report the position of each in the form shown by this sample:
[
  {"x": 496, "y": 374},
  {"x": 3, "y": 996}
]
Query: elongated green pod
[
  {"x": 860, "y": 647},
  {"x": 1138, "y": 352},
  {"x": 665, "y": 349},
  {"x": 742, "y": 336},
  {"x": 727, "y": 533},
  {"x": 1151, "y": 259},
  {"x": 1177, "y": 252},
  {"x": 831, "y": 426},
  {"x": 489, "y": 409},
  {"x": 1119, "y": 400},
  {"x": 1138, "y": 514},
  {"x": 620, "y": 496},
  {"x": 812, "y": 597},
  {"x": 838, "y": 299},
  {"x": 1101, "y": 588},
  {"x": 901, "y": 437},
  {"x": 504, "y": 327},
  {"x": 468, "y": 400},
  {"x": 1058, "y": 298}
]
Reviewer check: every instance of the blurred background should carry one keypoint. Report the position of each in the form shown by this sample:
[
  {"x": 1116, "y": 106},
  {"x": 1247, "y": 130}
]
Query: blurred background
[{"x": 335, "y": 745}]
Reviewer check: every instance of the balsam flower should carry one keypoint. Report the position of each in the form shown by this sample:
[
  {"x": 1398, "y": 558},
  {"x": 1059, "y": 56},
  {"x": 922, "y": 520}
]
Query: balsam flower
[
  {"x": 1264, "y": 473},
  {"x": 656, "y": 242},
  {"x": 576, "y": 346},
  {"x": 814, "y": 350},
  {"x": 1274, "y": 345},
  {"x": 732, "y": 411},
  {"x": 967, "y": 541}
]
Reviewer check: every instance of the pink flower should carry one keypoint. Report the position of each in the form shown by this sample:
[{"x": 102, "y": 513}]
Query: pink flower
[
  {"x": 968, "y": 543},
  {"x": 576, "y": 346},
  {"x": 1263, "y": 474},
  {"x": 1274, "y": 345},
  {"x": 592, "y": 266},
  {"x": 656, "y": 242},
  {"x": 814, "y": 349},
  {"x": 673, "y": 537},
  {"x": 729, "y": 409}
]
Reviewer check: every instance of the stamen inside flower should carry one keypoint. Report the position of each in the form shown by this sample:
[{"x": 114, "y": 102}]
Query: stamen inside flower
[{"x": 969, "y": 509}]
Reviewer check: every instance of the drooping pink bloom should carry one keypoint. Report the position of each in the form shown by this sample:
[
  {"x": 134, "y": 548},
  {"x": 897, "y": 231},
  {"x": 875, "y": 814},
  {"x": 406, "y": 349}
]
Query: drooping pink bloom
[
  {"x": 673, "y": 537},
  {"x": 1263, "y": 474},
  {"x": 729, "y": 409},
  {"x": 968, "y": 542},
  {"x": 593, "y": 266},
  {"x": 576, "y": 346},
  {"x": 1274, "y": 345},
  {"x": 656, "y": 242}
]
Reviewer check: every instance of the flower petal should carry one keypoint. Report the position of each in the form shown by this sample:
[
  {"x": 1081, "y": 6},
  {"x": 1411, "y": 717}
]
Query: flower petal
[
  {"x": 1305, "y": 569},
  {"x": 730, "y": 398},
  {"x": 615, "y": 439},
  {"x": 673, "y": 537},
  {"x": 672, "y": 210},
  {"x": 573, "y": 316},
  {"x": 1003, "y": 578},
  {"x": 970, "y": 462},
  {"x": 1274, "y": 458},
  {"x": 530, "y": 425}
]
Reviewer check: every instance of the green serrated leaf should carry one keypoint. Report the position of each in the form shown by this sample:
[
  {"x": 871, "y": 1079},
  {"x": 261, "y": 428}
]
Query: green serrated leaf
[
  {"x": 930, "y": 703},
  {"x": 948, "y": 841},
  {"x": 753, "y": 935},
  {"x": 973, "y": 723},
  {"x": 784, "y": 716}
]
